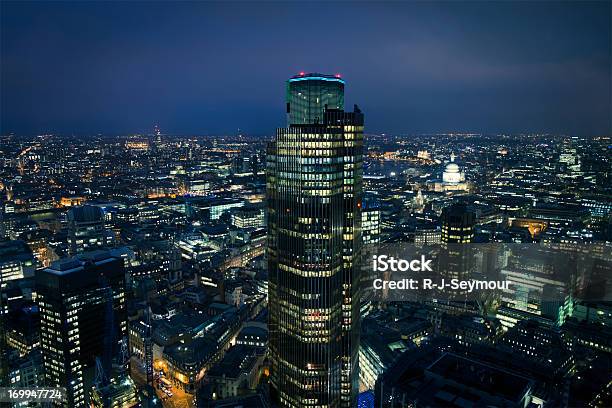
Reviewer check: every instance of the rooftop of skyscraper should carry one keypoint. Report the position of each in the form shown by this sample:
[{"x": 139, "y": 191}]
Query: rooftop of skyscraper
[{"x": 302, "y": 76}]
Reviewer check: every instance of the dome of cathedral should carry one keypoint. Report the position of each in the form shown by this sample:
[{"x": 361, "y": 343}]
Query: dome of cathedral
[
  {"x": 452, "y": 168},
  {"x": 452, "y": 172}
]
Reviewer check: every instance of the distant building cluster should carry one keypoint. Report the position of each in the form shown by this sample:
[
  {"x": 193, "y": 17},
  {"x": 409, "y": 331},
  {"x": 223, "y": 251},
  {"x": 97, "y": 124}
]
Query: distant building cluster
[{"x": 156, "y": 270}]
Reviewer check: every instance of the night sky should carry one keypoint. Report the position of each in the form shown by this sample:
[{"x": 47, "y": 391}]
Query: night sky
[{"x": 211, "y": 68}]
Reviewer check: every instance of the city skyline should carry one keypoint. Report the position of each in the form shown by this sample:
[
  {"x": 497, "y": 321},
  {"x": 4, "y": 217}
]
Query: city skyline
[
  {"x": 440, "y": 67},
  {"x": 190, "y": 220},
  {"x": 306, "y": 205}
]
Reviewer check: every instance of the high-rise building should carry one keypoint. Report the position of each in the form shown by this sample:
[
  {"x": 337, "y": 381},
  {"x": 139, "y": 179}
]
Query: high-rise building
[
  {"x": 454, "y": 262},
  {"x": 370, "y": 221},
  {"x": 309, "y": 95},
  {"x": 457, "y": 224},
  {"x": 314, "y": 238},
  {"x": 82, "y": 317},
  {"x": 370, "y": 238}
]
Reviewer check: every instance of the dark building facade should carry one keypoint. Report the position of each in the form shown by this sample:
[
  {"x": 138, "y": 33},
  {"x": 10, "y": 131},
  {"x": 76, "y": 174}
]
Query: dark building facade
[
  {"x": 82, "y": 317},
  {"x": 454, "y": 261},
  {"x": 457, "y": 224},
  {"x": 314, "y": 189}
]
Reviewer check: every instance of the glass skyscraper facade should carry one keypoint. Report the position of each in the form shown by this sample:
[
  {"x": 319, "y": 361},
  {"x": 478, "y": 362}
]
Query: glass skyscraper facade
[
  {"x": 314, "y": 188},
  {"x": 309, "y": 95}
]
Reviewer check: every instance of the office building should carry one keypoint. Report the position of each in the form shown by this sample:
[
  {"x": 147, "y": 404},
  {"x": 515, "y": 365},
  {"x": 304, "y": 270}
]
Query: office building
[
  {"x": 370, "y": 221},
  {"x": 249, "y": 218},
  {"x": 314, "y": 188},
  {"x": 454, "y": 262},
  {"x": 121, "y": 393},
  {"x": 457, "y": 224},
  {"x": 82, "y": 317},
  {"x": 16, "y": 261},
  {"x": 541, "y": 287},
  {"x": 86, "y": 229}
]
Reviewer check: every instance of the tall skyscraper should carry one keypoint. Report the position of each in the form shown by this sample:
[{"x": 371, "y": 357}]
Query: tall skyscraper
[
  {"x": 458, "y": 224},
  {"x": 309, "y": 95},
  {"x": 314, "y": 184},
  {"x": 82, "y": 317}
]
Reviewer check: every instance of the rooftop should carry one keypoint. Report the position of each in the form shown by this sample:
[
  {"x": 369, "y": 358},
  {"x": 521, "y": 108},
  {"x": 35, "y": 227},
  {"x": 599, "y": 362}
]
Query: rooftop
[
  {"x": 315, "y": 76},
  {"x": 479, "y": 376},
  {"x": 253, "y": 332},
  {"x": 193, "y": 354},
  {"x": 70, "y": 265},
  {"x": 238, "y": 360},
  {"x": 14, "y": 250}
]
